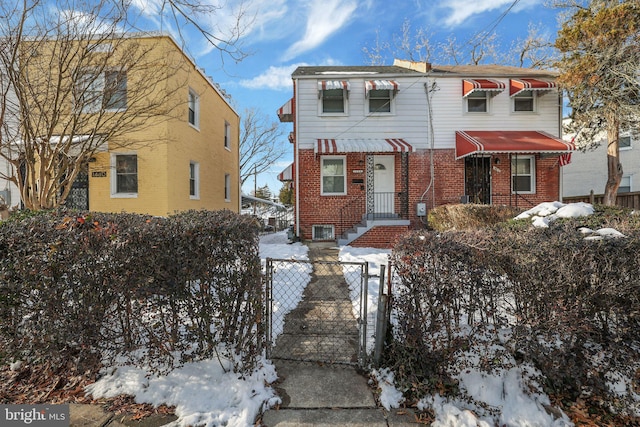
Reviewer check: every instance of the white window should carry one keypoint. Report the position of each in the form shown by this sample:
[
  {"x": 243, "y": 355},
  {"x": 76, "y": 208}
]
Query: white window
[
  {"x": 624, "y": 143},
  {"x": 124, "y": 175},
  {"x": 478, "y": 102},
  {"x": 323, "y": 232},
  {"x": 524, "y": 101},
  {"x": 380, "y": 101},
  {"x": 333, "y": 174},
  {"x": 523, "y": 174},
  {"x": 227, "y": 188},
  {"x": 227, "y": 135},
  {"x": 194, "y": 108},
  {"x": 106, "y": 90},
  {"x": 625, "y": 184},
  {"x": 194, "y": 180}
]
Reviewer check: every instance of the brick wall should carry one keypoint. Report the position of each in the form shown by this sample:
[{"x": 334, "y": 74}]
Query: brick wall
[
  {"x": 447, "y": 187},
  {"x": 380, "y": 237}
]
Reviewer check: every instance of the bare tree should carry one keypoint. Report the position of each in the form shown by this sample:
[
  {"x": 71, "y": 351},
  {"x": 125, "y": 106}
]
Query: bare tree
[
  {"x": 80, "y": 83},
  {"x": 260, "y": 144},
  {"x": 534, "y": 51}
]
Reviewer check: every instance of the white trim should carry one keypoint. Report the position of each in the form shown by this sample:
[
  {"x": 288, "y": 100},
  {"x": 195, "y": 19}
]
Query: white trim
[
  {"x": 196, "y": 178},
  {"x": 331, "y": 226},
  {"x": 344, "y": 171},
  {"x": 345, "y": 105},
  {"x": 227, "y": 135},
  {"x": 534, "y": 99},
  {"x": 196, "y": 109},
  {"x": 114, "y": 176},
  {"x": 487, "y": 102},
  {"x": 532, "y": 164}
]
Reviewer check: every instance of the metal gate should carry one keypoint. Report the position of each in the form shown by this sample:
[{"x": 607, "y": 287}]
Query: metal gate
[
  {"x": 317, "y": 311},
  {"x": 78, "y": 197}
]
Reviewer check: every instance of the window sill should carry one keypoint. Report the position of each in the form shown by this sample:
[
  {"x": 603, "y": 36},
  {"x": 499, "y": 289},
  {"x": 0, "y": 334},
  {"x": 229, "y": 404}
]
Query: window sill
[
  {"x": 194, "y": 197},
  {"x": 196, "y": 127},
  {"x": 124, "y": 196}
]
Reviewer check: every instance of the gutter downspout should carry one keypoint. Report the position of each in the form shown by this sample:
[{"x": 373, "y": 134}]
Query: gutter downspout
[{"x": 296, "y": 157}]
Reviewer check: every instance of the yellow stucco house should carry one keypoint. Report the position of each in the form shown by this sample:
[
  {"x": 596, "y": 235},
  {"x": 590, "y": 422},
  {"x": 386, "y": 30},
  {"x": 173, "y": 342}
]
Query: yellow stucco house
[{"x": 183, "y": 155}]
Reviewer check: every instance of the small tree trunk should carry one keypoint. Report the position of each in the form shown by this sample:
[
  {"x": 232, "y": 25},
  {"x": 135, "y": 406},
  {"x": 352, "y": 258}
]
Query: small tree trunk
[{"x": 614, "y": 167}]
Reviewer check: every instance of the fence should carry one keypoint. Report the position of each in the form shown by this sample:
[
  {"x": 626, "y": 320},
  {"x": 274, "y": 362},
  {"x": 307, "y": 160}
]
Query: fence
[{"x": 625, "y": 200}]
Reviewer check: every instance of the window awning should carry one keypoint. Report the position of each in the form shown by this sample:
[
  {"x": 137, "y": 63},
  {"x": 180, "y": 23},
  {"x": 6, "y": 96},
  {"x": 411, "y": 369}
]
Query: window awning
[
  {"x": 286, "y": 174},
  {"x": 333, "y": 84},
  {"x": 471, "y": 142},
  {"x": 381, "y": 85},
  {"x": 332, "y": 146},
  {"x": 518, "y": 85},
  {"x": 285, "y": 113},
  {"x": 472, "y": 85}
]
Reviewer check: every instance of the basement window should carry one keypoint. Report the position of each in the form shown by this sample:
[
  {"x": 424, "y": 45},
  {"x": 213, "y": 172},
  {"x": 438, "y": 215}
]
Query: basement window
[{"x": 323, "y": 232}]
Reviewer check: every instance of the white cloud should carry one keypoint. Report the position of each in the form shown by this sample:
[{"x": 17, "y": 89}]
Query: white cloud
[
  {"x": 461, "y": 10},
  {"x": 324, "y": 18},
  {"x": 275, "y": 78}
]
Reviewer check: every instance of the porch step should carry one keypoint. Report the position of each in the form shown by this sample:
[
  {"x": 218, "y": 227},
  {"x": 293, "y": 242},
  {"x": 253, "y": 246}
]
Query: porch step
[{"x": 367, "y": 224}]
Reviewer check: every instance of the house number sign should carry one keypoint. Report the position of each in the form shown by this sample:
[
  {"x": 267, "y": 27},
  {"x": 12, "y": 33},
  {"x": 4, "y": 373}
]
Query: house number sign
[
  {"x": 357, "y": 171},
  {"x": 99, "y": 174}
]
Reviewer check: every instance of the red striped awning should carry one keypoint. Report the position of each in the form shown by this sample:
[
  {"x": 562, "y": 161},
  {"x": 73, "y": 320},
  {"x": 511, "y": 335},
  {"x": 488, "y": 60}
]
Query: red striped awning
[
  {"x": 471, "y": 142},
  {"x": 518, "y": 85},
  {"x": 286, "y": 174},
  {"x": 285, "y": 113},
  {"x": 472, "y": 85},
  {"x": 332, "y": 146},
  {"x": 381, "y": 85},
  {"x": 333, "y": 84}
]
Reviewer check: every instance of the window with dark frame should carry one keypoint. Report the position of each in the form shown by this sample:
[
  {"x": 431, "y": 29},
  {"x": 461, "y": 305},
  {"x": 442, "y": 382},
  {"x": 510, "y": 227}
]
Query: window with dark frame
[{"x": 126, "y": 173}]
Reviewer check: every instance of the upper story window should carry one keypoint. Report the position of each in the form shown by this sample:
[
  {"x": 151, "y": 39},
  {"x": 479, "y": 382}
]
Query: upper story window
[
  {"x": 194, "y": 108},
  {"x": 381, "y": 94},
  {"x": 524, "y": 101},
  {"x": 333, "y": 95},
  {"x": 333, "y": 179},
  {"x": 106, "y": 90},
  {"x": 523, "y": 174},
  {"x": 227, "y": 135},
  {"x": 124, "y": 176},
  {"x": 478, "y": 102},
  {"x": 477, "y": 93}
]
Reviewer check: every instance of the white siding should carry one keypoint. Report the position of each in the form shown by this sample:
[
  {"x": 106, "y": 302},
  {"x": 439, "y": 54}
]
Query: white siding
[
  {"x": 410, "y": 120},
  {"x": 588, "y": 170}
]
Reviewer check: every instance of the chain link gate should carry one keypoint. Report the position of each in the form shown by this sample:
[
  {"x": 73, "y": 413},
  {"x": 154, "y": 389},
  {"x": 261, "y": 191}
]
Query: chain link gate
[{"x": 316, "y": 311}]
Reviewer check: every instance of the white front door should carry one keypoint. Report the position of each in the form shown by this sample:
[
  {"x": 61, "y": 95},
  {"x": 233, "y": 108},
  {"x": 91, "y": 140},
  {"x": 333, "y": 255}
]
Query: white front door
[{"x": 384, "y": 185}]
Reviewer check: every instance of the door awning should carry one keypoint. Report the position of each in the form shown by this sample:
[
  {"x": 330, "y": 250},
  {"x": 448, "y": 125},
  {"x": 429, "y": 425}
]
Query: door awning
[
  {"x": 381, "y": 85},
  {"x": 519, "y": 85},
  {"x": 472, "y": 85},
  {"x": 333, "y": 146},
  {"x": 285, "y": 113},
  {"x": 471, "y": 142},
  {"x": 333, "y": 84},
  {"x": 286, "y": 174}
]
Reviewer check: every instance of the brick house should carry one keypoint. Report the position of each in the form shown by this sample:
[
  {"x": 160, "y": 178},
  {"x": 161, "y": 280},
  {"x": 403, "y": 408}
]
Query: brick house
[{"x": 376, "y": 147}]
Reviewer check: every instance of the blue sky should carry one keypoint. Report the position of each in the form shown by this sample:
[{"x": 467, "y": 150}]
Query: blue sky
[{"x": 281, "y": 35}]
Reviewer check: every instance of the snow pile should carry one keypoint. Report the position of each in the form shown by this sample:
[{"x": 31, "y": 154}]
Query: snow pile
[
  {"x": 602, "y": 233},
  {"x": 206, "y": 393},
  {"x": 545, "y": 213},
  {"x": 390, "y": 397}
]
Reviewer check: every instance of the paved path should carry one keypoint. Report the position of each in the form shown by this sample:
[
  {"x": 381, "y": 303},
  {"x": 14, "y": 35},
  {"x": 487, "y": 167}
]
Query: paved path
[{"x": 315, "y": 393}]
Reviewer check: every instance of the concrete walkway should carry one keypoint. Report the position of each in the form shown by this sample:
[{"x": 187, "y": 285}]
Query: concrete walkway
[{"x": 318, "y": 394}]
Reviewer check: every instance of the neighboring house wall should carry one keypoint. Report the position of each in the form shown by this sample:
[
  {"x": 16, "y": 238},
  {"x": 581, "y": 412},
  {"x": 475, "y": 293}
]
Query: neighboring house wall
[
  {"x": 588, "y": 170},
  {"x": 180, "y": 166},
  {"x": 8, "y": 135},
  {"x": 424, "y": 102}
]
